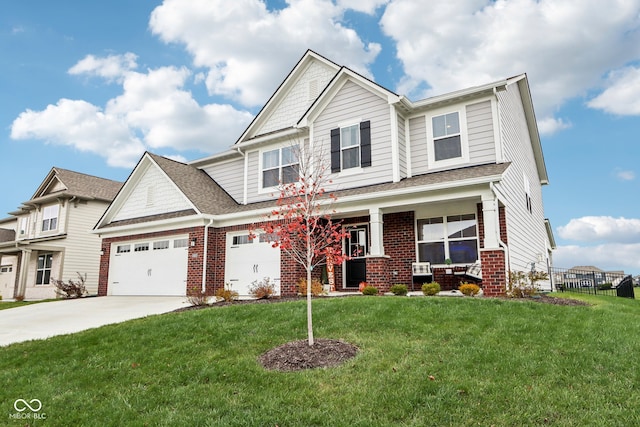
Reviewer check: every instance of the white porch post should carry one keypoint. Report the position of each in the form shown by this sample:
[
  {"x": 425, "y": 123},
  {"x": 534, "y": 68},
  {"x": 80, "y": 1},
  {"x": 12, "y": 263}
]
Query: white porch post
[
  {"x": 491, "y": 221},
  {"x": 376, "y": 224}
]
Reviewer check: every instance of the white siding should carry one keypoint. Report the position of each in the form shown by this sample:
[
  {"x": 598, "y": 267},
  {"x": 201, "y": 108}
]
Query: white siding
[
  {"x": 229, "y": 175},
  {"x": 297, "y": 101},
  {"x": 526, "y": 230},
  {"x": 418, "y": 146},
  {"x": 253, "y": 193},
  {"x": 154, "y": 194},
  {"x": 354, "y": 104},
  {"x": 480, "y": 128},
  {"x": 402, "y": 147}
]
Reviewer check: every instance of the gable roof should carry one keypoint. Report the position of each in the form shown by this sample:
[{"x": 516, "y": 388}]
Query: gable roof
[
  {"x": 66, "y": 184},
  {"x": 197, "y": 186}
]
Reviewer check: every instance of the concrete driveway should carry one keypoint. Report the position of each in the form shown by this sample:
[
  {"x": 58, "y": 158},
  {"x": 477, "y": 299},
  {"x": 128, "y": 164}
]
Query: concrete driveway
[{"x": 47, "y": 319}]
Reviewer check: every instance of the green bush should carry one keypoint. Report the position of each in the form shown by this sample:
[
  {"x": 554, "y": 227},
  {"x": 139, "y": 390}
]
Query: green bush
[
  {"x": 398, "y": 289},
  {"x": 469, "y": 289},
  {"x": 604, "y": 286},
  {"x": 431, "y": 288},
  {"x": 369, "y": 290}
]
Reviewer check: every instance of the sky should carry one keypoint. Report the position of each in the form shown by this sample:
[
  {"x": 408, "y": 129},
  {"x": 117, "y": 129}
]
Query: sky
[{"x": 89, "y": 86}]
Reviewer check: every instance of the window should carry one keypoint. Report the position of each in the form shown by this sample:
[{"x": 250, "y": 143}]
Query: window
[
  {"x": 180, "y": 243},
  {"x": 163, "y": 244},
  {"x": 6, "y": 269},
  {"x": 241, "y": 240},
  {"x": 527, "y": 194},
  {"x": 141, "y": 247},
  {"x": 279, "y": 166},
  {"x": 452, "y": 237},
  {"x": 121, "y": 249},
  {"x": 351, "y": 147},
  {"x": 50, "y": 218},
  {"x": 447, "y": 143},
  {"x": 43, "y": 270}
]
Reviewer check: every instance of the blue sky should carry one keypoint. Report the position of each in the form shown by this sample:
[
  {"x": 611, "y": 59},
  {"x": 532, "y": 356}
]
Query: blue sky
[{"x": 88, "y": 86}]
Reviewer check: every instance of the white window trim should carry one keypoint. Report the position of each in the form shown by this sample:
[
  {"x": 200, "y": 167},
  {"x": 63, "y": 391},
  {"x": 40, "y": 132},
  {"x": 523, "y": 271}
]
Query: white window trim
[
  {"x": 266, "y": 190},
  {"x": 464, "y": 138},
  {"x": 56, "y": 217},
  {"x": 358, "y": 168},
  {"x": 445, "y": 238}
]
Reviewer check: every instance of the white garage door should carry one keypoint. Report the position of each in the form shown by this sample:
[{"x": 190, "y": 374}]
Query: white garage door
[
  {"x": 249, "y": 260},
  {"x": 150, "y": 267}
]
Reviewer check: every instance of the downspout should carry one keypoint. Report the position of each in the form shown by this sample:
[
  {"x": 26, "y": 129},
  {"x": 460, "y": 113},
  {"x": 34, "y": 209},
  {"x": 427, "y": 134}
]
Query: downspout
[{"x": 206, "y": 251}]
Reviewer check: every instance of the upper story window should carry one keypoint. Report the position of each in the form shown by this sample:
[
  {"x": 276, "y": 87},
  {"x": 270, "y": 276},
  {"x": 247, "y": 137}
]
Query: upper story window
[
  {"x": 447, "y": 144},
  {"x": 279, "y": 166},
  {"x": 50, "y": 218},
  {"x": 351, "y": 146},
  {"x": 527, "y": 194},
  {"x": 453, "y": 237}
]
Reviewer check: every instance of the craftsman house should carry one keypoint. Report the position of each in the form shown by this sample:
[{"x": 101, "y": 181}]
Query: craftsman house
[
  {"x": 49, "y": 236},
  {"x": 447, "y": 188}
]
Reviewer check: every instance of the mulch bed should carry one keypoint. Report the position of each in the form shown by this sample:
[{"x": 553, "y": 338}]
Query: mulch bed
[{"x": 299, "y": 355}]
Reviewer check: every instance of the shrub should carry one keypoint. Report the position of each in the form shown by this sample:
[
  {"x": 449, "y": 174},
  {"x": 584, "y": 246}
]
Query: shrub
[
  {"x": 227, "y": 294},
  {"x": 369, "y": 290},
  {"x": 316, "y": 287},
  {"x": 362, "y": 285},
  {"x": 605, "y": 286},
  {"x": 398, "y": 289},
  {"x": 431, "y": 288},
  {"x": 72, "y": 289},
  {"x": 262, "y": 289},
  {"x": 469, "y": 289},
  {"x": 199, "y": 299},
  {"x": 19, "y": 298},
  {"x": 524, "y": 285}
]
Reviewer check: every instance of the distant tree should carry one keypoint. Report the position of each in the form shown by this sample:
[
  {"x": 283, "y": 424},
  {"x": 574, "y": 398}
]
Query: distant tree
[{"x": 301, "y": 224}]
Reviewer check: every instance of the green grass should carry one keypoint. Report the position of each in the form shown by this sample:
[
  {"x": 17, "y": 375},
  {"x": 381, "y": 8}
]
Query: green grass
[
  {"x": 12, "y": 304},
  {"x": 422, "y": 362}
]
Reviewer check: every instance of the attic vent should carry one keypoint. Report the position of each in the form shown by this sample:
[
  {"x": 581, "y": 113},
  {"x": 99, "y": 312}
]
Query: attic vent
[
  {"x": 150, "y": 196},
  {"x": 313, "y": 89}
]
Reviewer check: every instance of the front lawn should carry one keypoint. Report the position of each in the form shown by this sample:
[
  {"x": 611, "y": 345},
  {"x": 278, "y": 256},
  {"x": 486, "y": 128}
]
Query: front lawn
[
  {"x": 422, "y": 362},
  {"x": 4, "y": 305}
]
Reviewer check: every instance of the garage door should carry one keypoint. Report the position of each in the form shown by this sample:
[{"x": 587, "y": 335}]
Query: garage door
[
  {"x": 150, "y": 267},
  {"x": 249, "y": 260}
]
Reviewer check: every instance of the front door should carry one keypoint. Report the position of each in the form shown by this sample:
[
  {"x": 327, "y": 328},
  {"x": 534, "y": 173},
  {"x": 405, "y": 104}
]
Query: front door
[{"x": 356, "y": 248}]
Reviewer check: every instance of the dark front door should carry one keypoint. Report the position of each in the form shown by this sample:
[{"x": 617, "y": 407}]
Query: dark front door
[{"x": 356, "y": 267}]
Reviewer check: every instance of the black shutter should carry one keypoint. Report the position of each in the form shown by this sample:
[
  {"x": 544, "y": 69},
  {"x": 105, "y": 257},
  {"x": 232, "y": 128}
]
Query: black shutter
[
  {"x": 365, "y": 143},
  {"x": 335, "y": 150}
]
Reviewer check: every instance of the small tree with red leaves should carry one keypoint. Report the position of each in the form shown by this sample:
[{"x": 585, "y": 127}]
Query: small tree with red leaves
[{"x": 301, "y": 224}]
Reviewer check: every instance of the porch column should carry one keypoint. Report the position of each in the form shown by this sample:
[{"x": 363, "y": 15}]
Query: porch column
[
  {"x": 491, "y": 221},
  {"x": 25, "y": 256},
  {"x": 376, "y": 225}
]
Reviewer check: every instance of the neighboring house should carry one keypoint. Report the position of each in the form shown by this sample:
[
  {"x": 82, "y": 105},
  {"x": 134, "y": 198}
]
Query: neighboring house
[
  {"x": 51, "y": 235},
  {"x": 583, "y": 276},
  {"x": 454, "y": 181}
]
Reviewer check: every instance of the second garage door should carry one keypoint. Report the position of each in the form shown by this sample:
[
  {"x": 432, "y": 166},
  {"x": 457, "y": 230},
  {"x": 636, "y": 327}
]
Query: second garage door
[
  {"x": 249, "y": 260},
  {"x": 149, "y": 267}
]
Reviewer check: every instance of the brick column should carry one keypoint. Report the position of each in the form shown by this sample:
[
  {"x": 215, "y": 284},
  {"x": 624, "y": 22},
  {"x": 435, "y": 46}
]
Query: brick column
[
  {"x": 378, "y": 273},
  {"x": 494, "y": 273}
]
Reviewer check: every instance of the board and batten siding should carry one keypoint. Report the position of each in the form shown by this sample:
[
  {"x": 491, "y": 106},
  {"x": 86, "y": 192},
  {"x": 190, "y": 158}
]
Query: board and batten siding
[
  {"x": 230, "y": 176},
  {"x": 527, "y": 232},
  {"x": 154, "y": 194},
  {"x": 351, "y": 105},
  {"x": 300, "y": 96}
]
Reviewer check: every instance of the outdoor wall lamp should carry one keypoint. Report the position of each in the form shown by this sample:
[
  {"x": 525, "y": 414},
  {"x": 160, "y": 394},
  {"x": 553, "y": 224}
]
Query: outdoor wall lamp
[{"x": 193, "y": 241}]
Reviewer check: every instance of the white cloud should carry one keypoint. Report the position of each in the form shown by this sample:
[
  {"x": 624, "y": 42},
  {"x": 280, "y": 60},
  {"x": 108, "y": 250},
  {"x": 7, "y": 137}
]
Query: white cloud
[
  {"x": 364, "y": 6},
  {"x": 153, "y": 112},
  {"x": 602, "y": 228},
  {"x": 625, "y": 175},
  {"x": 83, "y": 126},
  {"x": 551, "y": 125},
  {"x": 608, "y": 257},
  {"x": 622, "y": 95},
  {"x": 564, "y": 46},
  {"x": 248, "y": 49},
  {"x": 112, "y": 67}
]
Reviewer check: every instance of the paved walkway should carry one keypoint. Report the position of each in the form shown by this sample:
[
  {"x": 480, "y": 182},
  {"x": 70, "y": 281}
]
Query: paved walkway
[{"x": 47, "y": 319}]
